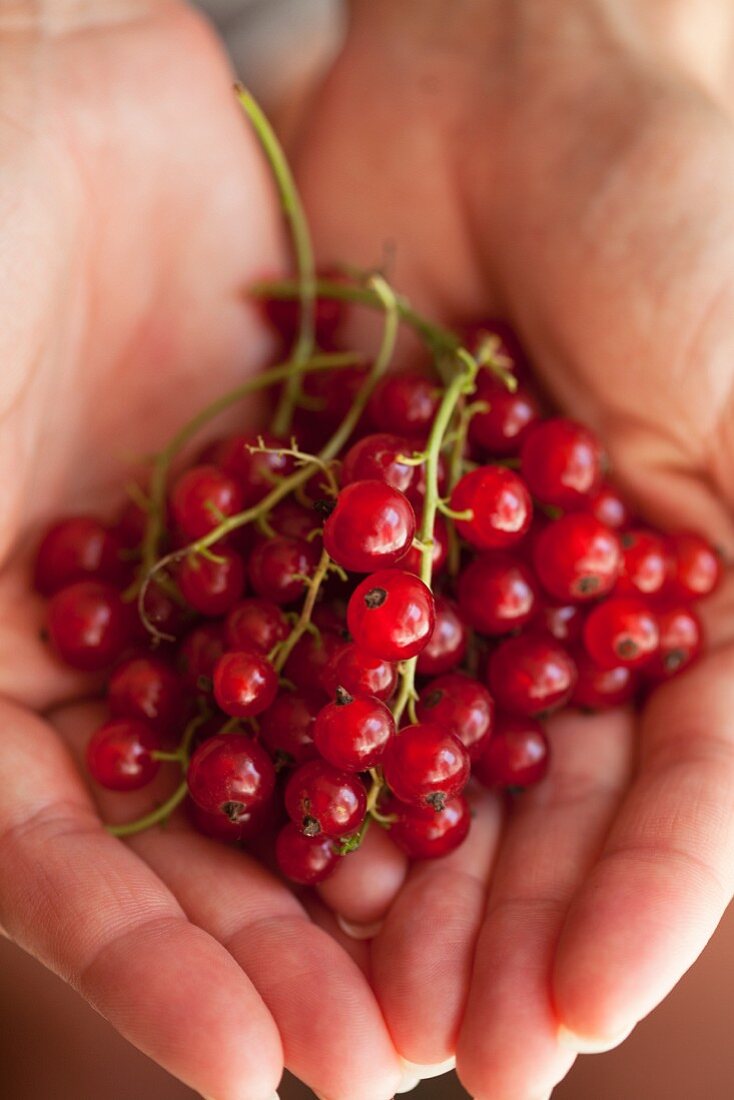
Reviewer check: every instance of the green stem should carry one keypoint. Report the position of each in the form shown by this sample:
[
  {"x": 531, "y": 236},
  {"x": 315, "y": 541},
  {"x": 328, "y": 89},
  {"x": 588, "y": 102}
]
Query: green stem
[
  {"x": 304, "y": 618},
  {"x": 330, "y": 451},
  {"x": 155, "y": 817},
  {"x": 457, "y": 388},
  {"x": 303, "y": 251},
  {"x": 159, "y": 477}
]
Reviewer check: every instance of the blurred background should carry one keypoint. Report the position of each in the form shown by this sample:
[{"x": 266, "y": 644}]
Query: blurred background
[{"x": 53, "y": 1047}]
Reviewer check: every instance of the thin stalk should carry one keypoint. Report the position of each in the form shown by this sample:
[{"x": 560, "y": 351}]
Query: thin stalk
[
  {"x": 295, "y": 216},
  {"x": 155, "y": 817},
  {"x": 304, "y": 619}
]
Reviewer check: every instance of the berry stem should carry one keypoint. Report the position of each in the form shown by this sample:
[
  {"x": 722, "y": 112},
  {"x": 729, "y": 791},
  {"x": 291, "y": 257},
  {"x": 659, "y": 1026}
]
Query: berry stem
[
  {"x": 461, "y": 385},
  {"x": 289, "y": 484},
  {"x": 155, "y": 505},
  {"x": 304, "y": 619},
  {"x": 155, "y": 817},
  {"x": 303, "y": 252}
]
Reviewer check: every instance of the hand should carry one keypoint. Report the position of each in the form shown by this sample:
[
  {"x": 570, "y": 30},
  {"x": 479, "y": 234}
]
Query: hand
[
  {"x": 136, "y": 209},
  {"x": 569, "y": 167}
]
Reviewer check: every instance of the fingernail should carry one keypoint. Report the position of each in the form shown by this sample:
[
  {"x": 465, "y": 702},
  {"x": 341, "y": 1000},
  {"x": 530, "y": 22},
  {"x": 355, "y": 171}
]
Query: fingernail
[
  {"x": 359, "y": 931},
  {"x": 581, "y": 1045},
  {"x": 423, "y": 1073},
  {"x": 407, "y": 1083}
]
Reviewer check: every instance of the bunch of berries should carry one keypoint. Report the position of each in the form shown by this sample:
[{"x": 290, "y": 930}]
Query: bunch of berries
[{"x": 324, "y": 642}]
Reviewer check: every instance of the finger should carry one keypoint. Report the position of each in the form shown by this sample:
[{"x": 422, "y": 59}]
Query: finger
[
  {"x": 666, "y": 873},
  {"x": 508, "y": 1048},
  {"x": 364, "y": 886},
  {"x": 88, "y": 908},
  {"x": 421, "y": 959}
]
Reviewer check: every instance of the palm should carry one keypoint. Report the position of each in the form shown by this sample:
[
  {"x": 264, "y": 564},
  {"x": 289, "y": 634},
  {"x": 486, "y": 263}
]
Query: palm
[
  {"x": 599, "y": 220},
  {"x": 121, "y": 319}
]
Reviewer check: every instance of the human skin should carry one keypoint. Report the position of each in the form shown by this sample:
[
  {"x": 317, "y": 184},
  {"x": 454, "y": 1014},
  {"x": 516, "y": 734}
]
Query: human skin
[
  {"x": 570, "y": 167},
  {"x": 136, "y": 209}
]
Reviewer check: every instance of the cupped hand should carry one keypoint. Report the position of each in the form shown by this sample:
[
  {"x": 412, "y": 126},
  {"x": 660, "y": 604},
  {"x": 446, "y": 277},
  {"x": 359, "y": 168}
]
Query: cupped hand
[
  {"x": 568, "y": 167},
  {"x": 135, "y": 210}
]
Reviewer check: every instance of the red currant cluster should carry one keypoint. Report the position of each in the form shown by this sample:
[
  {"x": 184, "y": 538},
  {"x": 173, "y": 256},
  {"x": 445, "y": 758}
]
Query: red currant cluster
[{"x": 500, "y": 577}]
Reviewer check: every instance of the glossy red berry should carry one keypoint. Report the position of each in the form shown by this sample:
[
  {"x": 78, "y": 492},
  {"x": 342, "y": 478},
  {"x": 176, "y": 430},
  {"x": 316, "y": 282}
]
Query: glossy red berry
[
  {"x": 277, "y": 568},
  {"x": 284, "y": 316},
  {"x": 146, "y": 688},
  {"x": 562, "y": 463},
  {"x": 305, "y": 860},
  {"x": 212, "y": 586},
  {"x": 360, "y": 674},
  {"x": 216, "y": 826},
  {"x": 198, "y": 654},
  {"x": 256, "y": 472},
  {"x": 405, "y": 403},
  {"x": 497, "y": 593},
  {"x": 531, "y": 674},
  {"x": 162, "y": 611},
  {"x": 599, "y": 688},
  {"x": 293, "y": 520},
  {"x": 372, "y": 526},
  {"x": 89, "y": 625},
  {"x": 622, "y": 630},
  {"x": 391, "y": 614},
  {"x": 426, "y": 765},
  {"x": 324, "y": 801},
  {"x": 412, "y": 561},
  {"x": 565, "y": 622},
  {"x": 645, "y": 564},
  {"x": 498, "y": 504},
  {"x": 577, "y": 558},
  {"x": 352, "y": 732},
  {"x": 696, "y": 567},
  {"x": 201, "y": 498},
  {"x": 287, "y": 727},
  {"x": 309, "y": 659},
  {"x": 446, "y": 647},
  {"x": 460, "y": 704},
  {"x": 119, "y": 754},
  {"x": 230, "y": 774},
  {"x": 258, "y": 623},
  {"x": 245, "y": 683},
  {"x": 501, "y": 429},
  {"x": 517, "y": 755},
  {"x": 377, "y": 458},
  {"x": 610, "y": 508},
  {"x": 500, "y": 338},
  {"x": 76, "y": 549},
  {"x": 425, "y": 834},
  {"x": 681, "y": 642}
]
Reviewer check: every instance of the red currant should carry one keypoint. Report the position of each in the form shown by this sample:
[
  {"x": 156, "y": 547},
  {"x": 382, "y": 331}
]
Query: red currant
[
  {"x": 413, "y": 559},
  {"x": 391, "y": 614},
  {"x": 76, "y": 549},
  {"x": 212, "y": 586},
  {"x": 564, "y": 621},
  {"x": 377, "y": 458},
  {"x": 146, "y": 688},
  {"x": 562, "y": 462},
  {"x": 447, "y": 645},
  {"x": 258, "y": 623},
  {"x": 372, "y": 525},
  {"x": 499, "y": 506},
  {"x": 425, "y": 834},
  {"x": 426, "y": 765},
  {"x": 517, "y": 755},
  {"x": 119, "y": 754},
  {"x": 293, "y": 520},
  {"x": 681, "y": 642},
  {"x": 324, "y": 801},
  {"x": 461, "y": 704},
  {"x": 353, "y": 732},
  {"x": 600, "y": 688},
  {"x": 309, "y": 659},
  {"x": 89, "y": 625},
  {"x": 199, "y": 652},
  {"x": 360, "y": 674},
  {"x": 201, "y": 498},
  {"x": 621, "y": 631},
  {"x": 230, "y": 774},
  {"x": 497, "y": 593},
  {"x": 256, "y": 472},
  {"x": 305, "y": 860},
  {"x": 287, "y": 727},
  {"x": 610, "y": 508},
  {"x": 644, "y": 564},
  {"x": 405, "y": 403},
  {"x": 501, "y": 429},
  {"x": 577, "y": 558},
  {"x": 245, "y": 683},
  {"x": 277, "y": 568},
  {"x": 531, "y": 674},
  {"x": 696, "y": 569}
]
